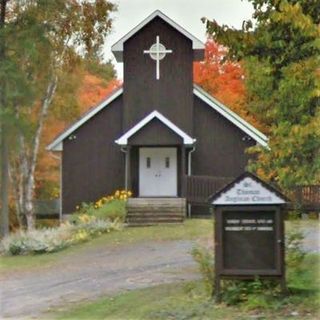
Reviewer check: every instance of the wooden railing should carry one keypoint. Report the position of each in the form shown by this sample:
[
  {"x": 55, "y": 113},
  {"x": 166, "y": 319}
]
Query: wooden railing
[
  {"x": 199, "y": 188},
  {"x": 306, "y": 198},
  {"x": 47, "y": 209}
]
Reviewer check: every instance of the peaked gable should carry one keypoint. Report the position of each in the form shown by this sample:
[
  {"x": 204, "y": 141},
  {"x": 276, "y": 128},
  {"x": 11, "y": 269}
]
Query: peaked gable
[
  {"x": 123, "y": 140},
  {"x": 197, "y": 45},
  {"x": 248, "y": 189}
]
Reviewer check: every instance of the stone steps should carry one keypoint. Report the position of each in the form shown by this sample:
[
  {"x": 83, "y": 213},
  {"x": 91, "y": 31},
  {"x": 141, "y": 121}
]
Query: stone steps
[{"x": 151, "y": 211}]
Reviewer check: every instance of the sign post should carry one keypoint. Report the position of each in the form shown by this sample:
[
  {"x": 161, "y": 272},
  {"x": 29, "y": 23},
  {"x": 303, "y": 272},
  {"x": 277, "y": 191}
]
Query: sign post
[{"x": 249, "y": 231}]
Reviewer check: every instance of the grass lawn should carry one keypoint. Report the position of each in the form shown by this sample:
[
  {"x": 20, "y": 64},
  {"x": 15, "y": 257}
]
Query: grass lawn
[
  {"x": 190, "y": 229},
  {"x": 189, "y": 301}
]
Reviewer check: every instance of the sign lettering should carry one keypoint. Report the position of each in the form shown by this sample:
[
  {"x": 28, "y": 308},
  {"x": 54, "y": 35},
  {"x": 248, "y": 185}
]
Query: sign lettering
[{"x": 248, "y": 225}]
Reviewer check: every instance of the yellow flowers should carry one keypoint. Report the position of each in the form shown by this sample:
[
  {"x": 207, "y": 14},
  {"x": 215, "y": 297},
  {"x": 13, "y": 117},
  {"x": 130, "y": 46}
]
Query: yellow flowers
[
  {"x": 81, "y": 235},
  {"x": 118, "y": 195},
  {"x": 84, "y": 218}
]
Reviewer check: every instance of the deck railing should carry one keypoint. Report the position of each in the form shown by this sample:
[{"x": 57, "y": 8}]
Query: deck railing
[
  {"x": 305, "y": 197},
  {"x": 198, "y": 189}
]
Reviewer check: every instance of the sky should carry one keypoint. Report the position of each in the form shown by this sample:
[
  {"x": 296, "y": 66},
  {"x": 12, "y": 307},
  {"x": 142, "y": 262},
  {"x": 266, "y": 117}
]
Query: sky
[{"x": 186, "y": 13}]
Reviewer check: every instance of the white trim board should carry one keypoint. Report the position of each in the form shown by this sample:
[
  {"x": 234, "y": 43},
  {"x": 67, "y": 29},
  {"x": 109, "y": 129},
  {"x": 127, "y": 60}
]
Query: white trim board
[
  {"x": 57, "y": 145},
  {"x": 123, "y": 140},
  {"x": 117, "y": 48},
  {"x": 231, "y": 116}
]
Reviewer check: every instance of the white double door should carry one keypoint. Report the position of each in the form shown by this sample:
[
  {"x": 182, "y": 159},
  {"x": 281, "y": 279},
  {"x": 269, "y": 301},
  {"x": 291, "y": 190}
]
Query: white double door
[{"x": 158, "y": 172}]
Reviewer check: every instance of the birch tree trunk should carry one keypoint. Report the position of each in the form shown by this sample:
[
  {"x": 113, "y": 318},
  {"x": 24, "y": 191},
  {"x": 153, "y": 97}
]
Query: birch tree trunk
[
  {"x": 23, "y": 168},
  {"x": 31, "y": 165}
]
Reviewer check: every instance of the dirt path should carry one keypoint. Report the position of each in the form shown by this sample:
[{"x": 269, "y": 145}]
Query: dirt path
[
  {"x": 100, "y": 270},
  {"x": 96, "y": 272}
]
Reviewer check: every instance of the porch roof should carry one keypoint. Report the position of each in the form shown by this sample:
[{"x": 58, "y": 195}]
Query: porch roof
[{"x": 123, "y": 140}]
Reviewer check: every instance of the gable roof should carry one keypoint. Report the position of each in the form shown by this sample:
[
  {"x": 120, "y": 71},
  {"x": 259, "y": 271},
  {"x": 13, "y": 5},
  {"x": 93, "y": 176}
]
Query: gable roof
[
  {"x": 117, "y": 48},
  {"x": 56, "y": 144},
  {"x": 219, "y": 198},
  {"x": 123, "y": 140},
  {"x": 250, "y": 130}
]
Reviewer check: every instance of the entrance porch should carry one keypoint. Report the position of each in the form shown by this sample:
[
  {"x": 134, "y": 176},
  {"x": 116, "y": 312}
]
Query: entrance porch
[
  {"x": 157, "y": 157},
  {"x": 150, "y": 211}
]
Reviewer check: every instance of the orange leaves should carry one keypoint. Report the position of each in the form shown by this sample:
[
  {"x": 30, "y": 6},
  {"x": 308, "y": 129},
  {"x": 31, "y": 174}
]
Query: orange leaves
[
  {"x": 91, "y": 91},
  {"x": 223, "y": 79}
]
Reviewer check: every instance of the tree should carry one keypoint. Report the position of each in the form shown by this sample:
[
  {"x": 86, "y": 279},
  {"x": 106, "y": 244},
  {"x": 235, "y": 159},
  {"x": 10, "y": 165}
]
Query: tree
[
  {"x": 4, "y": 223},
  {"x": 92, "y": 89},
  {"x": 224, "y": 79},
  {"x": 280, "y": 54},
  {"x": 66, "y": 31}
]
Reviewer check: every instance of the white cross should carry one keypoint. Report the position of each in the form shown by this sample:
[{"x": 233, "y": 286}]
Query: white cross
[{"x": 157, "y": 52}]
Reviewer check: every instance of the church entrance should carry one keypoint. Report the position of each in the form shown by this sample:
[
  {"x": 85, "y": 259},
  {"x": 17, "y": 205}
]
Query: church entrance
[{"x": 158, "y": 172}]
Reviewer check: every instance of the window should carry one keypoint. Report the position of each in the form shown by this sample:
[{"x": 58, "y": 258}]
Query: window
[
  {"x": 148, "y": 162},
  {"x": 167, "y": 162}
]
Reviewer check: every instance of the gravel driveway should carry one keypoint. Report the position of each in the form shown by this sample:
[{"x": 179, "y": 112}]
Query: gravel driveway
[
  {"x": 103, "y": 270},
  {"x": 94, "y": 273}
]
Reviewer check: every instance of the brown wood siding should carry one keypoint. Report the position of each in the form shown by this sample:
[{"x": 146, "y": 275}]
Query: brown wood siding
[
  {"x": 172, "y": 94},
  {"x": 220, "y": 148},
  {"x": 155, "y": 133},
  {"x": 93, "y": 165}
]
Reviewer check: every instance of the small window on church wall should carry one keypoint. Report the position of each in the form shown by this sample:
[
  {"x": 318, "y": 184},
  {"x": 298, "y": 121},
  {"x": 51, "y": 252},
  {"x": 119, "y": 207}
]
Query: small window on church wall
[
  {"x": 148, "y": 162},
  {"x": 167, "y": 162}
]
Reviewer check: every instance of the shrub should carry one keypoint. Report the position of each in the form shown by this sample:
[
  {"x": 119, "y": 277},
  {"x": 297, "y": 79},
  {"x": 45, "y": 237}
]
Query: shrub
[
  {"x": 204, "y": 258},
  {"x": 113, "y": 210},
  {"x": 253, "y": 294},
  {"x": 109, "y": 207},
  {"x": 55, "y": 239},
  {"x": 36, "y": 241},
  {"x": 294, "y": 250}
]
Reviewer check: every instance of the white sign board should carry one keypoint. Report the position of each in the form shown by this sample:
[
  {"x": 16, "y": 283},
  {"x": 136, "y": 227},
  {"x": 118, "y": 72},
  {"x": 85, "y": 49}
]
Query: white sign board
[{"x": 248, "y": 191}]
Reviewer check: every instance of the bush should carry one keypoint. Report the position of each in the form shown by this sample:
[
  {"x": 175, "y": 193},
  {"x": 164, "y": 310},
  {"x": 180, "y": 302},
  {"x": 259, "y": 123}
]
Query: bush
[
  {"x": 114, "y": 210},
  {"x": 36, "y": 241},
  {"x": 252, "y": 294},
  {"x": 294, "y": 250},
  {"x": 204, "y": 258},
  {"x": 110, "y": 207},
  {"x": 55, "y": 239}
]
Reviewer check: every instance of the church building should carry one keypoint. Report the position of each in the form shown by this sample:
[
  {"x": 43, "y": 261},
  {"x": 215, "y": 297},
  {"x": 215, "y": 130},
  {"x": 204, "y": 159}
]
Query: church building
[{"x": 156, "y": 129}]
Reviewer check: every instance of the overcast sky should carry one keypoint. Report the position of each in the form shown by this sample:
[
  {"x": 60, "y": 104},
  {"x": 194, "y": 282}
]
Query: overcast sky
[{"x": 187, "y": 13}]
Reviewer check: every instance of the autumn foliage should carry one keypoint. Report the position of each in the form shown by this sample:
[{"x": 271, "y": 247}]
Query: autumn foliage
[
  {"x": 223, "y": 79},
  {"x": 92, "y": 90}
]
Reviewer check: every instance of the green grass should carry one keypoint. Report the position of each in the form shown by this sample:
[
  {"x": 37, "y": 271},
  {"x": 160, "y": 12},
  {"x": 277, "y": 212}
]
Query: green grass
[
  {"x": 189, "y": 301},
  {"x": 190, "y": 229}
]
